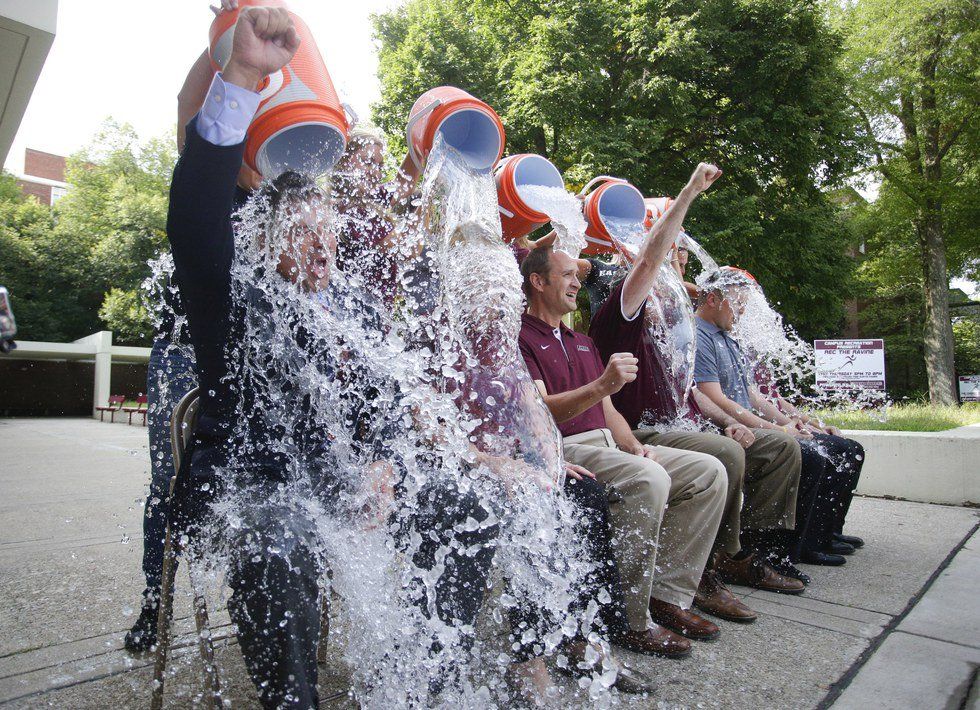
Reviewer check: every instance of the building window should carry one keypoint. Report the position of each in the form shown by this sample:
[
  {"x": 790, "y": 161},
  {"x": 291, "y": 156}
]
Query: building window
[{"x": 57, "y": 193}]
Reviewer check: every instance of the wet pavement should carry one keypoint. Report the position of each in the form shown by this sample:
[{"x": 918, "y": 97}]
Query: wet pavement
[{"x": 898, "y": 626}]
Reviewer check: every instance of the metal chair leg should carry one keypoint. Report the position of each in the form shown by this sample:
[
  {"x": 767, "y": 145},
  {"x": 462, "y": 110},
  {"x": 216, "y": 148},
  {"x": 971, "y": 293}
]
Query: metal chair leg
[
  {"x": 164, "y": 615},
  {"x": 321, "y": 650},
  {"x": 211, "y": 682}
]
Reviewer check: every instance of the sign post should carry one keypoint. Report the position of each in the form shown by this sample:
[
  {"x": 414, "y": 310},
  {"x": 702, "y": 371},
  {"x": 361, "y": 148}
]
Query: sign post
[
  {"x": 850, "y": 364},
  {"x": 969, "y": 388}
]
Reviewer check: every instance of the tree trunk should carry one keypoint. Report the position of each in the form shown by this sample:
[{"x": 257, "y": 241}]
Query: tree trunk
[{"x": 938, "y": 329}]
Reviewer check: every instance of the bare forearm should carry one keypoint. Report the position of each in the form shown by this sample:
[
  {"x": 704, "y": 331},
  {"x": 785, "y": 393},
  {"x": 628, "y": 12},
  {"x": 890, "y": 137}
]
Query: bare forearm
[
  {"x": 569, "y": 405},
  {"x": 767, "y": 409},
  {"x": 654, "y": 250},
  {"x": 712, "y": 411},
  {"x": 620, "y": 429},
  {"x": 737, "y": 411}
]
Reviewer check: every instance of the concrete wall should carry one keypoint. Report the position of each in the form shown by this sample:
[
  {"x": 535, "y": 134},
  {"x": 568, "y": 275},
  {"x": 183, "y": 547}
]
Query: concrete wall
[{"x": 940, "y": 467}]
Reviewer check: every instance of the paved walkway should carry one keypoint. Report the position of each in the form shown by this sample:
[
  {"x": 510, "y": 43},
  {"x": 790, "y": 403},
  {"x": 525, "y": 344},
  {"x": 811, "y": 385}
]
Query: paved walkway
[{"x": 70, "y": 504}]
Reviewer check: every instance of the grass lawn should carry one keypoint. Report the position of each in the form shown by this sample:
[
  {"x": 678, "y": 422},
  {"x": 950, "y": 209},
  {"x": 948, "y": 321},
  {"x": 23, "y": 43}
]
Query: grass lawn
[{"x": 906, "y": 417}]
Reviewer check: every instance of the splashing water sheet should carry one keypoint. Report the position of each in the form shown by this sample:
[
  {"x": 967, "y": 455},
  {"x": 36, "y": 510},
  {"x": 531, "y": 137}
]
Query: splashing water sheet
[
  {"x": 565, "y": 212},
  {"x": 396, "y": 442},
  {"x": 669, "y": 322}
]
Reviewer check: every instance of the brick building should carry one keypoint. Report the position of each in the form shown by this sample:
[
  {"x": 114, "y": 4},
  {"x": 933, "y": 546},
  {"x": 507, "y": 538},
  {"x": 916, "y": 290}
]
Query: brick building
[{"x": 44, "y": 176}]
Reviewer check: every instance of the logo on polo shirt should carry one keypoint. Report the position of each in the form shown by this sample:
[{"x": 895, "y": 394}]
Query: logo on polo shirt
[
  {"x": 583, "y": 348},
  {"x": 545, "y": 347}
]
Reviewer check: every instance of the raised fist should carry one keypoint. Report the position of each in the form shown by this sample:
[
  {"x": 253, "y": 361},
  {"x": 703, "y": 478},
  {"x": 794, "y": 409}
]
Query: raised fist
[
  {"x": 620, "y": 371},
  {"x": 703, "y": 176},
  {"x": 265, "y": 41}
]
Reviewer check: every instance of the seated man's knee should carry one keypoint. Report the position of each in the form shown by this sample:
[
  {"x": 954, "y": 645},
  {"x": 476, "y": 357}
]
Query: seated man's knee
[{"x": 651, "y": 485}]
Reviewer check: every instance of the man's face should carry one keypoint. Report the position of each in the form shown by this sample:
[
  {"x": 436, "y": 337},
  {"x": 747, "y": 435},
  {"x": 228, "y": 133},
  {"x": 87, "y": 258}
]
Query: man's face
[
  {"x": 682, "y": 260},
  {"x": 559, "y": 288},
  {"x": 310, "y": 245},
  {"x": 728, "y": 306}
]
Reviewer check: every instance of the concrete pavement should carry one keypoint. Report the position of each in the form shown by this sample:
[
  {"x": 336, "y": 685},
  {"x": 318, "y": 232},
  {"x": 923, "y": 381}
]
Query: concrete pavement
[{"x": 71, "y": 493}]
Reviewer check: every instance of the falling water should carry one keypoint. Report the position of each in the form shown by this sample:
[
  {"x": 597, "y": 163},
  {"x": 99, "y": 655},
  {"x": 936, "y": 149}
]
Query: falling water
[
  {"x": 708, "y": 264},
  {"x": 565, "y": 212},
  {"x": 669, "y": 324}
]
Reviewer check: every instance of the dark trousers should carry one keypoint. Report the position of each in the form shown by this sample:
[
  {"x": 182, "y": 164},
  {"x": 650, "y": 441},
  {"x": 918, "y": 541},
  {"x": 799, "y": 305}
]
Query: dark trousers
[
  {"x": 846, "y": 457},
  {"x": 169, "y": 377},
  {"x": 275, "y": 603},
  {"x": 593, "y": 528},
  {"x": 826, "y": 489}
]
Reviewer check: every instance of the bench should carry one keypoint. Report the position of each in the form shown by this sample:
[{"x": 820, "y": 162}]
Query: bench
[
  {"x": 116, "y": 402},
  {"x": 140, "y": 408}
]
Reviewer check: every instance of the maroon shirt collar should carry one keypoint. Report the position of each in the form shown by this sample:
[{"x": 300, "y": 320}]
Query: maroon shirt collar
[{"x": 540, "y": 326}]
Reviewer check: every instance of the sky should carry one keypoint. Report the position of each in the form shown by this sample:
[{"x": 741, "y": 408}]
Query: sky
[{"x": 127, "y": 59}]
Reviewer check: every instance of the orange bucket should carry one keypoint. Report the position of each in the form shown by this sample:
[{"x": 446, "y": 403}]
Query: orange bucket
[
  {"x": 613, "y": 199},
  {"x": 518, "y": 214},
  {"x": 466, "y": 123},
  {"x": 300, "y": 124}
]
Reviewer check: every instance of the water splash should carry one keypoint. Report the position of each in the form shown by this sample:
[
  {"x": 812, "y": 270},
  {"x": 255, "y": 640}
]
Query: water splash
[{"x": 565, "y": 212}]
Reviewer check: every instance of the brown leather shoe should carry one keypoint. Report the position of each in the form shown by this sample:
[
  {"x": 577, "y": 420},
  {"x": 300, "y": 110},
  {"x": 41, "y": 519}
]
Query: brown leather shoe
[
  {"x": 716, "y": 599},
  {"x": 683, "y": 621},
  {"x": 657, "y": 641},
  {"x": 753, "y": 572}
]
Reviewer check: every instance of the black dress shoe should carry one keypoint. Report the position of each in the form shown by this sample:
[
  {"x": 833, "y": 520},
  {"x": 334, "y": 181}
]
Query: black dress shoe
[
  {"x": 787, "y": 569},
  {"x": 822, "y": 558},
  {"x": 836, "y": 547},
  {"x": 852, "y": 540},
  {"x": 143, "y": 636}
]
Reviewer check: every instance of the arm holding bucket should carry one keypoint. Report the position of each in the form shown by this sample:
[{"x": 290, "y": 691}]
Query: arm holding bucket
[{"x": 661, "y": 236}]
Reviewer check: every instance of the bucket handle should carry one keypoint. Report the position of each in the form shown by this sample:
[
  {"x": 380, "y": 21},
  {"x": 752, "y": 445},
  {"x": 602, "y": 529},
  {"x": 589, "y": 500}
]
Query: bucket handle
[
  {"x": 411, "y": 124},
  {"x": 351, "y": 114},
  {"x": 505, "y": 212},
  {"x": 598, "y": 178}
]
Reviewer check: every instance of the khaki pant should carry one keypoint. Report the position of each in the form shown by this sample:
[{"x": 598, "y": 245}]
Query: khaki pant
[
  {"x": 674, "y": 504},
  {"x": 769, "y": 473}
]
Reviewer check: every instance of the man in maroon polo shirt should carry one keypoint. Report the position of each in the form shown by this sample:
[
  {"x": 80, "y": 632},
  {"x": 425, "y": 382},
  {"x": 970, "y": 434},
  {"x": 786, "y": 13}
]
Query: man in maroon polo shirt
[
  {"x": 761, "y": 464},
  {"x": 644, "y": 479}
]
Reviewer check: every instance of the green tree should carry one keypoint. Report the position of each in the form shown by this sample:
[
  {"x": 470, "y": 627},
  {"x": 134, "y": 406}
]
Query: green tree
[
  {"x": 77, "y": 269},
  {"x": 643, "y": 89},
  {"x": 917, "y": 90}
]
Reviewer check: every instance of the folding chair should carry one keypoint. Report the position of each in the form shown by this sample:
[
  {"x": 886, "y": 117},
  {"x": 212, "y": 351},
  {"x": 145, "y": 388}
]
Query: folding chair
[
  {"x": 182, "y": 424},
  {"x": 181, "y": 428}
]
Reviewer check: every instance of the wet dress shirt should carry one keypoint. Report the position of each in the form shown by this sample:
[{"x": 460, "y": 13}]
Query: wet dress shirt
[{"x": 719, "y": 359}]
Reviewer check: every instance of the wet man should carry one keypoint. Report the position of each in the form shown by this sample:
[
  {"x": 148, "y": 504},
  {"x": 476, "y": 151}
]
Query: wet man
[
  {"x": 255, "y": 435},
  {"x": 764, "y": 466},
  {"x": 723, "y": 376},
  {"x": 661, "y": 556}
]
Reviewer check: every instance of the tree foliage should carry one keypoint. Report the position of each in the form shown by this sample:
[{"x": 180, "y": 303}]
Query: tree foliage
[
  {"x": 915, "y": 84},
  {"x": 643, "y": 89},
  {"x": 76, "y": 269}
]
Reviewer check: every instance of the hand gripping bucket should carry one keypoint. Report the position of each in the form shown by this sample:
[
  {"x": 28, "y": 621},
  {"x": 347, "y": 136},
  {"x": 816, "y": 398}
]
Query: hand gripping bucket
[
  {"x": 465, "y": 122},
  {"x": 519, "y": 215},
  {"x": 300, "y": 124},
  {"x": 613, "y": 199}
]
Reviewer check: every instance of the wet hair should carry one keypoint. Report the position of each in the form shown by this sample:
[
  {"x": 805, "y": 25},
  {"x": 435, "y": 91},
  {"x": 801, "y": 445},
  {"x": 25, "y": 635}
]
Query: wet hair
[
  {"x": 287, "y": 187},
  {"x": 718, "y": 281},
  {"x": 538, "y": 261}
]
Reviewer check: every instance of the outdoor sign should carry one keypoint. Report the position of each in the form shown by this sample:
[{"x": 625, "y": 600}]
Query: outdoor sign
[
  {"x": 850, "y": 364},
  {"x": 970, "y": 388}
]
